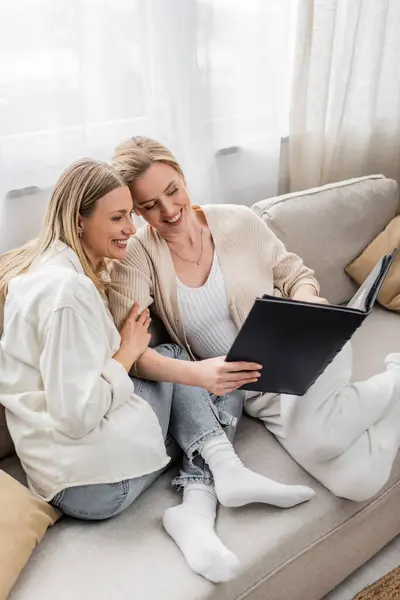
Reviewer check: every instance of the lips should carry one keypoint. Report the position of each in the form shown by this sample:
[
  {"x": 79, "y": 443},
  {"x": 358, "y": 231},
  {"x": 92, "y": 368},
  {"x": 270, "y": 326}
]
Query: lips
[
  {"x": 121, "y": 243},
  {"x": 175, "y": 219}
]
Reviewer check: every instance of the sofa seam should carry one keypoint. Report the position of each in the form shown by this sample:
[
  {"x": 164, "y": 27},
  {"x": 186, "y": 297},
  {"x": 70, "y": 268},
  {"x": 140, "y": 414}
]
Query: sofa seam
[{"x": 316, "y": 542}]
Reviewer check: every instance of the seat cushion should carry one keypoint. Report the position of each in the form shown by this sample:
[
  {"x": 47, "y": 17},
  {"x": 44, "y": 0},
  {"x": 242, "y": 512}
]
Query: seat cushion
[{"x": 296, "y": 554}]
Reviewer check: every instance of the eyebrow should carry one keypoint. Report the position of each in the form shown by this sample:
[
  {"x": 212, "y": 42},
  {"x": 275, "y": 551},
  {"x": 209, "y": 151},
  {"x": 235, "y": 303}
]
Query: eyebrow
[
  {"x": 154, "y": 199},
  {"x": 121, "y": 210}
]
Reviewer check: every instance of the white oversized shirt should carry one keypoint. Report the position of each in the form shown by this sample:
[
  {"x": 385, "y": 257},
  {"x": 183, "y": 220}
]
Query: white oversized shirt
[{"x": 71, "y": 408}]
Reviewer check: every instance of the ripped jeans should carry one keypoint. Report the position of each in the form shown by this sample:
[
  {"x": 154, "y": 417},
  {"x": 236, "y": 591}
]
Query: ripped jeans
[{"x": 188, "y": 416}]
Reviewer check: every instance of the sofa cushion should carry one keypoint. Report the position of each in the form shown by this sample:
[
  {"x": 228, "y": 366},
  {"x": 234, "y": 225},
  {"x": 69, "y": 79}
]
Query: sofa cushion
[
  {"x": 331, "y": 225},
  {"x": 6, "y": 443},
  {"x": 361, "y": 267},
  {"x": 23, "y": 522},
  {"x": 286, "y": 554}
]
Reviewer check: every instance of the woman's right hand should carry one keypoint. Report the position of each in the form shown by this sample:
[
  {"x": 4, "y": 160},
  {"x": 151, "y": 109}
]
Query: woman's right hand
[
  {"x": 220, "y": 377},
  {"x": 134, "y": 337}
]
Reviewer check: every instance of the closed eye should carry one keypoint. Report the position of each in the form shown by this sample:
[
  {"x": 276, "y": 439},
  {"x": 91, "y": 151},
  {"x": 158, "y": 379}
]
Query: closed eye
[{"x": 119, "y": 217}]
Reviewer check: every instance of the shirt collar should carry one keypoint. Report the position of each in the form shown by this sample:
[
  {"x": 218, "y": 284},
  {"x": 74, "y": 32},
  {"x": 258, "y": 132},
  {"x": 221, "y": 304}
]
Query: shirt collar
[{"x": 62, "y": 255}]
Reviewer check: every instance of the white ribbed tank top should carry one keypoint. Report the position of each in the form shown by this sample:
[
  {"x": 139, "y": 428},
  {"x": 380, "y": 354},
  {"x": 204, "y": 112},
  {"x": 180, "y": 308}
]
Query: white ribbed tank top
[{"x": 204, "y": 311}]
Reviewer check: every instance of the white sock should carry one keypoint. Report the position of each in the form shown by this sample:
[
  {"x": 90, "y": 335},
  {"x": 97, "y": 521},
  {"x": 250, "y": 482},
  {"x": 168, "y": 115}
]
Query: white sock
[
  {"x": 235, "y": 485},
  {"x": 191, "y": 526}
]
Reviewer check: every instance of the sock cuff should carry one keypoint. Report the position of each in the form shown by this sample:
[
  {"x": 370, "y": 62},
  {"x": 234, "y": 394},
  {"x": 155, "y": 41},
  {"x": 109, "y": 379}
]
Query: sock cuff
[
  {"x": 214, "y": 444},
  {"x": 199, "y": 487}
]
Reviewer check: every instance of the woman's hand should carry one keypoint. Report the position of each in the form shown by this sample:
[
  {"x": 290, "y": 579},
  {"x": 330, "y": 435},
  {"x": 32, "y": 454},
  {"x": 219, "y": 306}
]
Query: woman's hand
[
  {"x": 307, "y": 293},
  {"x": 312, "y": 298},
  {"x": 134, "y": 337},
  {"x": 220, "y": 377}
]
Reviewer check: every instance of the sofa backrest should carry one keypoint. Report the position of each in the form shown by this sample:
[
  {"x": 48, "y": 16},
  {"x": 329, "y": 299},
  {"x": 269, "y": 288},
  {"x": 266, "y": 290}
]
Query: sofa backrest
[{"x": 331, "y": 225}]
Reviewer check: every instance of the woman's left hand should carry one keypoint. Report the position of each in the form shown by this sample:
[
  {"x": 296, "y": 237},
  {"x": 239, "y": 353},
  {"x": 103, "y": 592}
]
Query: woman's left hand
[{"x": 309, "y": 296}]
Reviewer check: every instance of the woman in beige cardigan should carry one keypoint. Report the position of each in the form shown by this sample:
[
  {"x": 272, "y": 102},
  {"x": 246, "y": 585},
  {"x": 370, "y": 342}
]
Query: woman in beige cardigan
[{"x": 202, "y": 268}]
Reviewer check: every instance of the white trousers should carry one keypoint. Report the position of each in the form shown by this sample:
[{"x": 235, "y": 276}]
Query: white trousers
[{"x": 344, "y": 434}]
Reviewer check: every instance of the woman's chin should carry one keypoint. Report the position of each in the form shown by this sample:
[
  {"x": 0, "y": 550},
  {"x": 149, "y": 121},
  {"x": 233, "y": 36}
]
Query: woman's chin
[{"x": 117, "y": 254}]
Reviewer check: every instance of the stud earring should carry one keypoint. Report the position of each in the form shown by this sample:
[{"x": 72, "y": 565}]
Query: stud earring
[{"x": 80, "y": 232}]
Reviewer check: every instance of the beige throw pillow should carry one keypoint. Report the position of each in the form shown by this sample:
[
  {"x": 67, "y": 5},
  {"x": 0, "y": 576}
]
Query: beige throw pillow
[
  {"x": 362, "y": 266},
  {"x": 24, "y": 519}
]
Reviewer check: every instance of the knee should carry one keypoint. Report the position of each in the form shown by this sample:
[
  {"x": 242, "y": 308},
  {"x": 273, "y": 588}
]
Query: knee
[
  {"x": 93, "y": 502},
  {"x": 172, "y": 351}
]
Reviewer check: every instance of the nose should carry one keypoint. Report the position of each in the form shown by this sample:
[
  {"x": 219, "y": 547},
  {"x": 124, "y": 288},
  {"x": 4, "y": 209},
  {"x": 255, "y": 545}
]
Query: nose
[
  {"x": 168, "y": 209},
  {"x": 129, "y": 228}
]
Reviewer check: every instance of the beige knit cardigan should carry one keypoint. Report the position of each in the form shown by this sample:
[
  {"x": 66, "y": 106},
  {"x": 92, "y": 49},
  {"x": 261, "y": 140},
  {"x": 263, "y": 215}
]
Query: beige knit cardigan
[{"x": 254, "y": 262}]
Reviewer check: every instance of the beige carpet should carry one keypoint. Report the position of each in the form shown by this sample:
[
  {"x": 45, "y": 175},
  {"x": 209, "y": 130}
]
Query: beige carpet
[{"x": 387, "y": 588}]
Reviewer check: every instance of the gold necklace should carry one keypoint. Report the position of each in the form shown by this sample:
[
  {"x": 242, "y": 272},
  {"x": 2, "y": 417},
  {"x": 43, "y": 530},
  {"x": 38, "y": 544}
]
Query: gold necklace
[{"x": 193, "y": 262}]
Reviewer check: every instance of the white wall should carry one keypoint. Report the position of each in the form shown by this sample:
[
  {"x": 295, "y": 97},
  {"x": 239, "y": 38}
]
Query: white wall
[{"x": 21, "y": 217}]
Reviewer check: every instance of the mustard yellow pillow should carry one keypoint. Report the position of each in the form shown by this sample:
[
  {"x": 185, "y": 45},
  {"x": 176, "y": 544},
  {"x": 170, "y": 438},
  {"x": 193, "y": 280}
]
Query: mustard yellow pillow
[
  {"x": 24, "y": 519},
  {"x": 362, "y": 266}
]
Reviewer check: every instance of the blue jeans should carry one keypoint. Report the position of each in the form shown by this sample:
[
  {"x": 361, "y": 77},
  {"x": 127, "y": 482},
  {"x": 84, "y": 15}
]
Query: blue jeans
[{"x": 188, "y": 416}]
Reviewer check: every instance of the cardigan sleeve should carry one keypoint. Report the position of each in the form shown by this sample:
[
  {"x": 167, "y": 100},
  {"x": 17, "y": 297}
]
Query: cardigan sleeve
[
  {"x": 82, "y": 384},
  {"x": 131, "y": 282},
  {"x": 289, "y": 271}
]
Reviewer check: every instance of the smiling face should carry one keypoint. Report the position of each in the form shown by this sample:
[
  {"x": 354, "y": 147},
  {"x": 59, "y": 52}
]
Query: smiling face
[
  {"x": 106, "y": 231},
  {"x": 160, "y": 197}
]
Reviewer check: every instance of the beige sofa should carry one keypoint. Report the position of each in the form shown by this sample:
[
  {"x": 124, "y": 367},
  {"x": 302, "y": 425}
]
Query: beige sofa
[{"x": 296, "y": 554}]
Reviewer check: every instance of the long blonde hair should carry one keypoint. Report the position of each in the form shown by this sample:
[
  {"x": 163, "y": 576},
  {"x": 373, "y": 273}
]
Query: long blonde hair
[
  {"x": 133, "y": 157},
  {"x": 75, "y": 194}
]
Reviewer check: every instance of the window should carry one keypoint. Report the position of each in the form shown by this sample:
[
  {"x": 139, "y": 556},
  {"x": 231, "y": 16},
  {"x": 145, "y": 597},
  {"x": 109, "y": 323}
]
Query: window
[{"x": 79, "y": 76}]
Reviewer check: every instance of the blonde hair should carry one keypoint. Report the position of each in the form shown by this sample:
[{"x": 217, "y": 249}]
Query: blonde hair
[
  {"x": 133, "y": 157},
  {"x": 75, "y": 194}
]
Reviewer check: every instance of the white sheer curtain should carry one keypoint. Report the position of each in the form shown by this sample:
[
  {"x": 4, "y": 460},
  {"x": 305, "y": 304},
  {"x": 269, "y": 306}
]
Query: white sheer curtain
[
  {"x": 206, "y": 77},
  {"x": 345, "y": 108}
]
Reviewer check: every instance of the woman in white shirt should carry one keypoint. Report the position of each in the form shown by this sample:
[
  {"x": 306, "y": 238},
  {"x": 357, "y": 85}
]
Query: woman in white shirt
[{"x": 90, "y": 437}]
